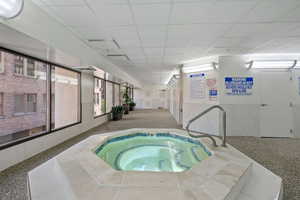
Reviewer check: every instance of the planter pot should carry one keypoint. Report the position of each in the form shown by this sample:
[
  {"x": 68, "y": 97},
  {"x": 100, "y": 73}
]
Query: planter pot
[
  {"x": 131, "y": 108},
  {"x": 126, "y": 109},
  {"x": 117, "y": 116}
]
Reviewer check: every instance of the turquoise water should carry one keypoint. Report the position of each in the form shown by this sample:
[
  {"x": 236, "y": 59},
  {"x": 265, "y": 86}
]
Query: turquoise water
[{"x": 152, "y": 152}]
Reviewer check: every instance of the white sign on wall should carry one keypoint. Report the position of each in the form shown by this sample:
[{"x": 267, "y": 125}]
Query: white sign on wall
[
  {"x": 239, "y": 86},
  {"x": 197, "y": 86},
  {"x": 212, "y": 89}
]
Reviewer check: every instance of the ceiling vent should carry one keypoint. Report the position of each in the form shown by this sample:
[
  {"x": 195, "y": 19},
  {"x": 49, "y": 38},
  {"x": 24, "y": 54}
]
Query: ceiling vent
[{"x": 119, "y": 56}]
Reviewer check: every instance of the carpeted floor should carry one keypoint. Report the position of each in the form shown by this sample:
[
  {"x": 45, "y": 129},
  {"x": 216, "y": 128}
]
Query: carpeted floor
[{"x": 282, "y": 156}]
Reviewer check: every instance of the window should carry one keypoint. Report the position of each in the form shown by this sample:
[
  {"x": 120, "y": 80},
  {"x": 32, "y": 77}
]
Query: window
[
  {"x": 19, "y": 103},
  {"x": 99, "y": 95},
  {"x": 31, "y": 103},
  {"x": 25, "y": 103},
  {"x": 19, "y": 65},
  {"x": 30, "y": 67},
  {"x": 109, "y": 96},
  {"x": 28, "y": 101},
  {"x": 1, "y": 103},
  {"x": 1, "y": 62},
  {"x": 117, "y": 94},
  {"x": 66, "y": 97}
]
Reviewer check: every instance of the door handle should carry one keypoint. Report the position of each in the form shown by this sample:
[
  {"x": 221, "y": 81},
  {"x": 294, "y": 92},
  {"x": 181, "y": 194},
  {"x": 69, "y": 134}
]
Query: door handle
[{"x": 263, "y": 105}]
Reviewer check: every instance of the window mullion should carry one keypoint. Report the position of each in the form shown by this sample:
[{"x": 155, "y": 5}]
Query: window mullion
[{"x": 48, "y": 97}]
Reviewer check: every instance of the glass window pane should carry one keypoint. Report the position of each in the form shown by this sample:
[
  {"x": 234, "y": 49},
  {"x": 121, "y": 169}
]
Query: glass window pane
[
  {"x": 1, "y": 61},
  {"x": 30, "y": 67},
  {"x": 22, "y": 105},
  {"x": 19, "y": 103},
  {"x": 99, "y": 95},
  {"x": 1, "y": 103},
  {"x": 117, "y": 94},
  {"x": 19, "y": 65},
  {"x": 65, "y": 97},
  {"x": 109, "y": 96}
]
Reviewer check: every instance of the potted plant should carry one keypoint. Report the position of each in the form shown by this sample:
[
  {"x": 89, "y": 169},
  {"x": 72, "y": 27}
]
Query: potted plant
[
  {"x": 127, "y": 100},
  {"x": 132, "y": 105},
  {"x": 117, "y": 112}
]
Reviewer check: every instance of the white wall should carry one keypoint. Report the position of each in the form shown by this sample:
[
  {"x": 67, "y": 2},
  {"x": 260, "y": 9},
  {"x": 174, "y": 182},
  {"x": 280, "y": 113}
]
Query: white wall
[
  {"x": 242, "y": 111},
  {"x": 245, "y": 115},
  {"x": 192, "y": 106},
  {"x": 150, "y": 97}
]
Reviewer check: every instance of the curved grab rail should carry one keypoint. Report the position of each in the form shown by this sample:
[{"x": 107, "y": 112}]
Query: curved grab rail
[{"x": 206, "y": 134}]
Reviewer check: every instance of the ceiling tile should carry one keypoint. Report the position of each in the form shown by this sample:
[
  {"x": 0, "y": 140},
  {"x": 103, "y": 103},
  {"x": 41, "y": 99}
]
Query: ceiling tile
[
  {"x": 112, "y": 14},
  {"x": 261, "y": 30},
  {"x": 74, "y": 15},
  {"x": 150, "y": 52},
  {"x": 93, "y": 32},
  {"x": 144, "y": 14},
  {"x": 207, "y": 11},
  {"x": 125, "y": 36},
  {"x": 194, "y": 35},
  {"x": 153, "y": 36},
  {"x": 64, "y": 2},
  {"x": 270, "y": 11}
]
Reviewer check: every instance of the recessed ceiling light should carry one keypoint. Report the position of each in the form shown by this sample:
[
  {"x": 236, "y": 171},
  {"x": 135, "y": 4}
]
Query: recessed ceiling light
[{"x": 11, "y": 8}]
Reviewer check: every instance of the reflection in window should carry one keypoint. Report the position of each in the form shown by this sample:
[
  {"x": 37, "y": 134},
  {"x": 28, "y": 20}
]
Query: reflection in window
[
  {"x": 109, "y": 96},
  {"x": 21, "y": 101},
  {"x": 117, "y": 94},
  {"x": 65, "y": 98},
  {"x": 31, "y": 103},
  {"x": 1, "y": 62},
  {"x": 99, "y": 95},
  {"x": 1, "y": 103},
  {"x": 24, "y": 101},
  {"x": 30, "y": 67},
  {"x": 19, "y": 65}
]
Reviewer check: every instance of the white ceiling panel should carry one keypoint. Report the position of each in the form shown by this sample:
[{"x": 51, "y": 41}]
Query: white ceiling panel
[
  {"x": 148, "y": 1},
  {"x": 92, "y": 32},
  {"x": 126, "y": 36},
  {"x": 74, "y": 15},
  {"x": 210, "y": 11},
  {"x": 151, "y": 14},
  {"x": 270, "y": 11},
  {"x": 64, "y": 2},
  {"x": 153, "y": 36},
  {"x": 260, "y": 29},
  {"x": 154, "y": 52},
  {"x": 112, "y": 15}
]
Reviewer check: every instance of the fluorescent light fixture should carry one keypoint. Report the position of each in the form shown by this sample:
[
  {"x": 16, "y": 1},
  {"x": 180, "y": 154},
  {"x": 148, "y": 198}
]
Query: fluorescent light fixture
[
  {"x": 274, "y": 64},
  {"x": 10, "y": 8},
  {"x": 198, "y": 68}
]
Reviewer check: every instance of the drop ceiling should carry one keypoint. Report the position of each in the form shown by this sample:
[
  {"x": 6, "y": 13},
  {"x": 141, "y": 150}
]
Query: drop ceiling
[{"x": 157, "y": 35}]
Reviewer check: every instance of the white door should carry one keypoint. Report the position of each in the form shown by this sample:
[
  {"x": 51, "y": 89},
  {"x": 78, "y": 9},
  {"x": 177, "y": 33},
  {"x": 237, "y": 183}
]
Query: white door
[{"x": 276, "y": 118}]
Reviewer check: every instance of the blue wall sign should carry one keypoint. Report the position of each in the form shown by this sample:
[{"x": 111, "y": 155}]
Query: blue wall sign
[
  {"x": 197, "y": 75},
  {"x": 213, "y": 92},
  {"x": 239, "y": 86}
]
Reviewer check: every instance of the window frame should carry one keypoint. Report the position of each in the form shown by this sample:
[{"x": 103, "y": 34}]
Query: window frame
[
  {"x": 96, "y": 78},
  {"x": 2, "y": 105},
  {"x": 2, "y": 61},
  {"x": 48, "y": 90}
]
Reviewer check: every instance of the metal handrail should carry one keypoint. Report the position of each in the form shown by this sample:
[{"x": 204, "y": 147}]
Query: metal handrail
[{"x": 206, "y": 134}]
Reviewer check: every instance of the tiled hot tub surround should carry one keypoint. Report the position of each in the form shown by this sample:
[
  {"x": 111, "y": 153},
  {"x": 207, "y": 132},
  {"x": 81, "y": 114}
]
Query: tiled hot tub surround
[{"x": 78, "y": 173}]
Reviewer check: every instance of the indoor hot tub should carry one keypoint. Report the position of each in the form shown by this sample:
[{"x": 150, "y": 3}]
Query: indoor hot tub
[
  {"x": 147, "y": 164},
  {"x": 152, "y": 152}
]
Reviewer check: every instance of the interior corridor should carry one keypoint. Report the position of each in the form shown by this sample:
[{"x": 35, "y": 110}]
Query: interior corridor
[{"x": 279, "y": 155}]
